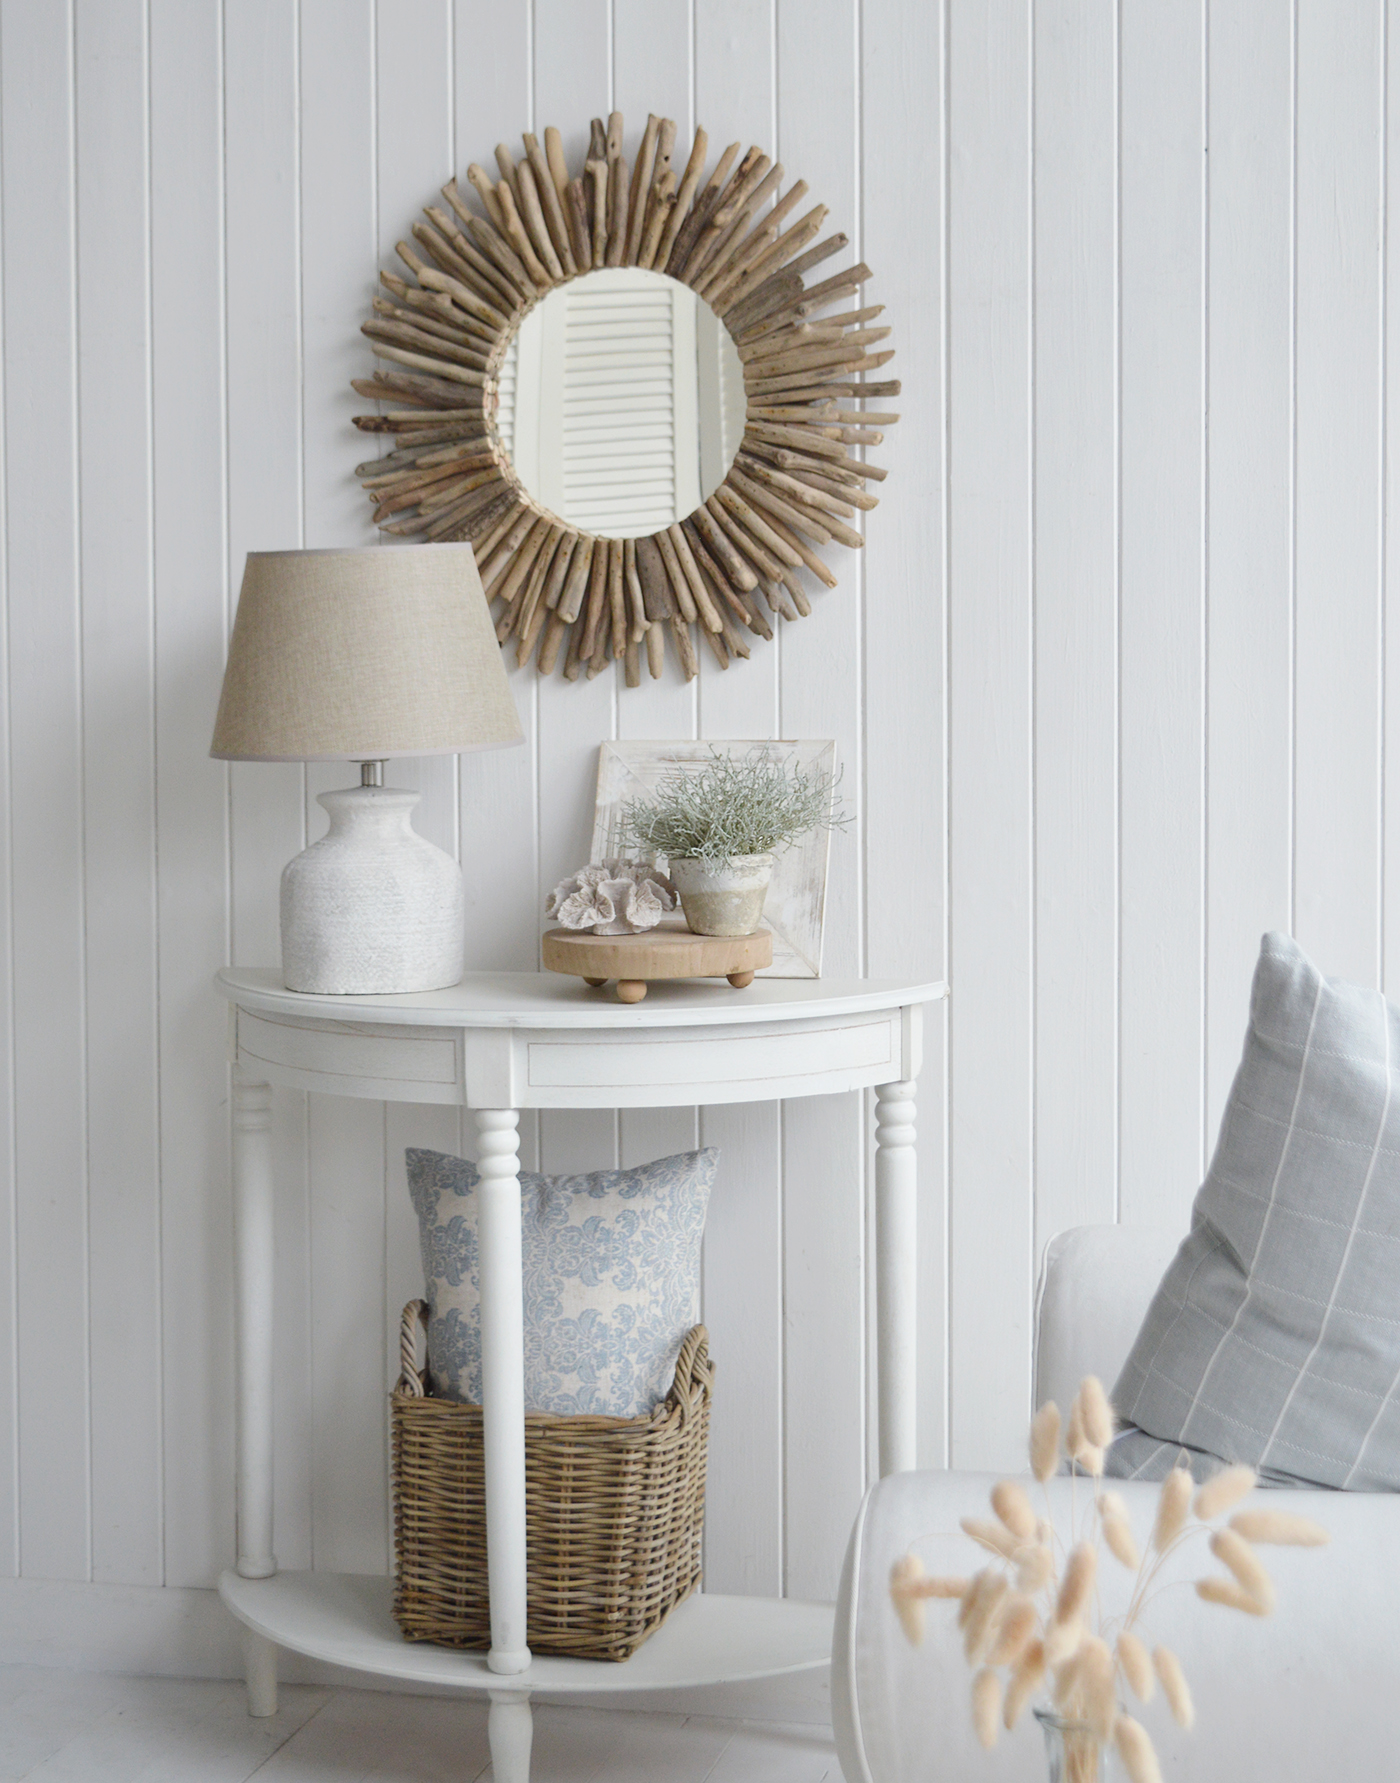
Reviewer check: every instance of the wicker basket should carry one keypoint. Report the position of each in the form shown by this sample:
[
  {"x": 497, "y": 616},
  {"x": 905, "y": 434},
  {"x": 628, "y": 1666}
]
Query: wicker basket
[{"x": 614, "y": 1510}]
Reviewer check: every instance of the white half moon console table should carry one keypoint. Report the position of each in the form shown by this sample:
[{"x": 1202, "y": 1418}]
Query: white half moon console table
[{"x": 497, "y": 1043}]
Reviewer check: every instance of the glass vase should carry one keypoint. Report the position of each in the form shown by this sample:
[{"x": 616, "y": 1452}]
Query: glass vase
[{"x": 1074, "y": 1753}]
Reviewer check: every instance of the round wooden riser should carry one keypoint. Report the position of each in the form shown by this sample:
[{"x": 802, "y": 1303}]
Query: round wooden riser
[{"x": 665, "y": 952}]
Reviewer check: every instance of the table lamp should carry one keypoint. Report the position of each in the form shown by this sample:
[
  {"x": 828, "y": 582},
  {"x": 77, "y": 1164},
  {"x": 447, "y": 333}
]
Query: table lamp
[{"x": 365, "y": 655}]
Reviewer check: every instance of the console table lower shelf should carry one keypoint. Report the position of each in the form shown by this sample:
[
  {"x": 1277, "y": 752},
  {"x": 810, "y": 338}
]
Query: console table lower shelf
[{"x": 347, "y": 1619}]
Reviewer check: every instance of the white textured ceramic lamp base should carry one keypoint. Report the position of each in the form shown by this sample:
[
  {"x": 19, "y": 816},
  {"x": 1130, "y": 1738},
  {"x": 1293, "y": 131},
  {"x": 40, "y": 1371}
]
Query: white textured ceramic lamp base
[{"x": 373, "y": 908}]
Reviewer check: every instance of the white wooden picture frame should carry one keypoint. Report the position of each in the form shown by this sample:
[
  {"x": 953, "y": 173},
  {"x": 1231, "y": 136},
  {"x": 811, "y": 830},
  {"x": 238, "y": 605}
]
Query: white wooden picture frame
[{"x": 795, "y": 910}]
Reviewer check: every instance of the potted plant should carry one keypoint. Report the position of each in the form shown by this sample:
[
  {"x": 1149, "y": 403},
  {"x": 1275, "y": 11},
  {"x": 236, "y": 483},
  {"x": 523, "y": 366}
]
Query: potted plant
[{"x": 719, "y": 827}]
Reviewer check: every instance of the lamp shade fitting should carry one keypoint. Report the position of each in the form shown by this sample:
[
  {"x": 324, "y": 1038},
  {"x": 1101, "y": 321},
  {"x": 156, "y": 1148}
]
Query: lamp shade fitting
[{"x": 366, "y": 655}]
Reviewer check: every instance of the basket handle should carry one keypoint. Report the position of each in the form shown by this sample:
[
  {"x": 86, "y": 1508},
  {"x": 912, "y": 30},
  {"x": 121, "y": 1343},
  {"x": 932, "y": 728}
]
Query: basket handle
[{"x": 411, "y": 1376}]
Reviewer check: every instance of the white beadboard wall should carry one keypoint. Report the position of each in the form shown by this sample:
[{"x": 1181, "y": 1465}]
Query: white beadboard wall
[{"x": 1115, "y": 689}]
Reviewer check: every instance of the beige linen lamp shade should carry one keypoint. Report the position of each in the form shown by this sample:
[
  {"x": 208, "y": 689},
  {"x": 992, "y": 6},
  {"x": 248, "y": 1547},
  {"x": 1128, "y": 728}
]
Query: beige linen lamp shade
[{"x": 363, "y": 654}]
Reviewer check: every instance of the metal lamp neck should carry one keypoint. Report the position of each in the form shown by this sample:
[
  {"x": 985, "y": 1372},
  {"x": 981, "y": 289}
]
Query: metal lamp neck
[{"x": 371, "y": 773}]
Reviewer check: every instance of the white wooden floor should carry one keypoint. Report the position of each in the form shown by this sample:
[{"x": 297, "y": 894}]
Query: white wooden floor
[{"x": 79, "y": 1727}]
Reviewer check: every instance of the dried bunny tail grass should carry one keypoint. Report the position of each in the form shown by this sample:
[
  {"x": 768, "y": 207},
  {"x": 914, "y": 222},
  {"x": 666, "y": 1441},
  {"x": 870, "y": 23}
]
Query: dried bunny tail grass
[
  {"x": 1025, "y": 1680},
  {"x": 1279, "y": 1529},
  {"x": 1230, "y": 1546},
  {"x": 1172, "y": 1507},
  {"x": 1095, "y": 1411},
  {"x": 1017, "y": 1623},
  {"x": 1045, "y": 1441},
  {"x": 991, "y": 1535},
  {"x": 1011, "y": 1504},
  {"x": 941, "y": 1587},
  {"x": 1174, "y": 1687},
  {"x": 1231, "y": 1595},
  {"x": 986, "y": 1706},
  {"x": 1118, "y": 1531},
  {"x": 1075, "y": 1439},
  {"x": 972, "y": 1593},
  {"x": 1224, "y": 1490},
  {"x": 1097, "y": 1681},
  {"x": 1135, "y": 1749},
  {"x": 1035, "y": 1568},
  {"x": 905, "y": 1577},
  {"x": 982, "y": 1621},
  {"x": 1062, "y": 1641},
  {"x": 1136, "y": 1663},
  {"x": 1090, "y": 1458},
  {"x": 1077, "y": 1586}
]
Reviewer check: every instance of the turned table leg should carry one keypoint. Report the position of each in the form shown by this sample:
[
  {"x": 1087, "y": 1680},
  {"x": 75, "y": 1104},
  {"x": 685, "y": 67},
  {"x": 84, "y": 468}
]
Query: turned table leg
[
  {"x": 253, "y": 1263},
  {"x": 510, "y": 1731},
  {"x": 896, "y": 1273},
  {"x": 503, "y": 1385}
]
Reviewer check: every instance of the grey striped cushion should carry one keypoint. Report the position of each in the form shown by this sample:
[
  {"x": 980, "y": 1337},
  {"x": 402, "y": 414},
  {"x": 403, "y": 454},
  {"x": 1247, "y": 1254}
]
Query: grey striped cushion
[{"x": 1274, "y": 1337}]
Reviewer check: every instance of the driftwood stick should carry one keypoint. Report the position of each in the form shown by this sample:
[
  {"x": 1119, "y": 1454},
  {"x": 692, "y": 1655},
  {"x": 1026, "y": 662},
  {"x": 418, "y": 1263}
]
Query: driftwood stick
[
  {"x": 813, "y": 559},
  {"x": 657, "y": 601},
  {"x": 757, "y": 526},
  {"x": 658, "y": 215},
  {"x": 532, "y": 215},
  {"x": 764, "y": 249},
  {"x": 497, "y": 260},
  {"x": 482, "y": 522},
  {"x": 595, "y": 173},
  {"x": 799, "y": 461},
  {"x": 846, "y": 491},
  {"x": 573, "y": 656},
  {"x": 675, "y": 575},
  {"x": 632, "y": 663},
  {"x": 407, "y": 334},
  {"x": 531, "y": 601},
  {"x": 402, "y": 386},
  {"x": 572, "y": 597},
  {"x": 734, "y": 207},
  {"x": 559, "y": 569},
  {"x": 704, "y": 606},
  {"x": 460, "y": 455},
  {"x": 430, "y": 363},
  {"x": 498, "y": 526},
  {"x": 485, "y": 188},
  {"x": 788, "y": 414},
  {"x": 491, "y": 564},
  {"x": 734, "y": 233},
  {"x": 432, "y": 322},
  {"x": 799, "y": 326},
  {"x": 656, "y": 650},
  {"x": 576, "y": 205},
  {"x": 816, "y": 438},
  {"x": 798, "y": 355},
  {"x": 700, "y": 212},
  {"x": 694, "y": 167},
  {"x": 755, "y": 617},
  {"x": 617, "y": 193},
  {"x": 451, "y": 516},
  {"x": 534, "y": 276},
  {"x": 551, "y": 203},
  {"x": 747, "y": 546},
  {"x": 599, "y": 659},
  {"x": 793, "y": 583},
  {"x": 597, "y": 598},
  {"x": 463, "y": 296},
  {"x": 509, "y": 177},
  {"x": 685, "y": 648},
  {"x": 796, "y": 488},
  {"x": 636, "y": 601},
  {"x": 734, "y": 640},
  {"x": 770, "y": 504},
  {"x": 715, "y": 640},
  {"x": 713, "y": 533},
  {"x": 440, "y": 308},
  {"x": 773, "y": 296},
  {"x": 804, "y": 378},
  {"x": 458, "y": 428},
  {"x": 515, "y": 572},
  {"x": 449, "y": 484},
  {"x": 641, "y": 188},
  {"x": 550, "y": 640},
  {"x": 558, "y": 163},
  {"x": 715, "y": 576},
  {"x": 480, "y": 487},
  {"x": 778, "y": 600},
  {"x": 463, "y": 262},
  {"x": 617, "y": 599}
]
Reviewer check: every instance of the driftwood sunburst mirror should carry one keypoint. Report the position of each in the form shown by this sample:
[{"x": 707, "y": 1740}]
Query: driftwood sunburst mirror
[{"x": 620, "y": 389}]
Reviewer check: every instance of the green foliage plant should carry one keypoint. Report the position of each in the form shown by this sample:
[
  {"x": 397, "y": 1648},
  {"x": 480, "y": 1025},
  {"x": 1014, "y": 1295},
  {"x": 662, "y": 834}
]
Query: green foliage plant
[{"x": 734, "y": 806}]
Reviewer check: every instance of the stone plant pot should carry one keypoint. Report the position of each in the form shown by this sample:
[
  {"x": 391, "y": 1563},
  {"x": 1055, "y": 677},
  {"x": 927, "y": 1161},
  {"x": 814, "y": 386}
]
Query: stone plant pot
[{"x": 722, "y": 900}]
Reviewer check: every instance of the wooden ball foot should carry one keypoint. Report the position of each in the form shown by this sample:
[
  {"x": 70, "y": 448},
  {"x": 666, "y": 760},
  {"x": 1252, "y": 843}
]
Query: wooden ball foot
[
  {"x": 741, "y": 980},
  {"x": 595, "y": 982},
  {"x": 630, "y": 990}
]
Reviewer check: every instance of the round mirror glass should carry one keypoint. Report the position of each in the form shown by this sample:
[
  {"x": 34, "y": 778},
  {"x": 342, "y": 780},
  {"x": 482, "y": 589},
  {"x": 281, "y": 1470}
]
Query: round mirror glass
[{"x": 621, "y": 402}]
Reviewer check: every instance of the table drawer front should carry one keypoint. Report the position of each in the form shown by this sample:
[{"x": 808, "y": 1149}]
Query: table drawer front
[
  {"x": 751, "y": 1064},
  {"x": 350, "y": 1060}
]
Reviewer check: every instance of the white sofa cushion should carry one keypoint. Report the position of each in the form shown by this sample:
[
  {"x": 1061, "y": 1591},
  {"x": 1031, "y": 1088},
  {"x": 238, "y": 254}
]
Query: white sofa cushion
[{"x": 1274, "y": 1338}]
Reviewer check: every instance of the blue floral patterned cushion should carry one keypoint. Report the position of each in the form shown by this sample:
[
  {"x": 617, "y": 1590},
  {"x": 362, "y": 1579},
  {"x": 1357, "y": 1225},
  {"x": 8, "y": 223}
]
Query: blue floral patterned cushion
[{"x": 612, "y": 1279}]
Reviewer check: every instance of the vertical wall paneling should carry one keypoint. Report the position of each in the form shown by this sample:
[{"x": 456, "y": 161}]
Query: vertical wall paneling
[
  {"x": 906, "y": 611},
  {"x": 1390, "y": 562},
  {"x": 1108, "y": 684},
  {"x": 1337, "y": 522},
  {"x": 192, "y": 612},
  {"x": 823, "y": 1138},
  {"x": 1249, "y": 516},
  {"x": 1075, "y": 595},
  {"x": 46, "y": 793},
  {"x": 119, "y": 841},
  {"x": 991, "y": 963},
  {"x": 1161, "y": 807},
  {"x": 263, "y": 233}
]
